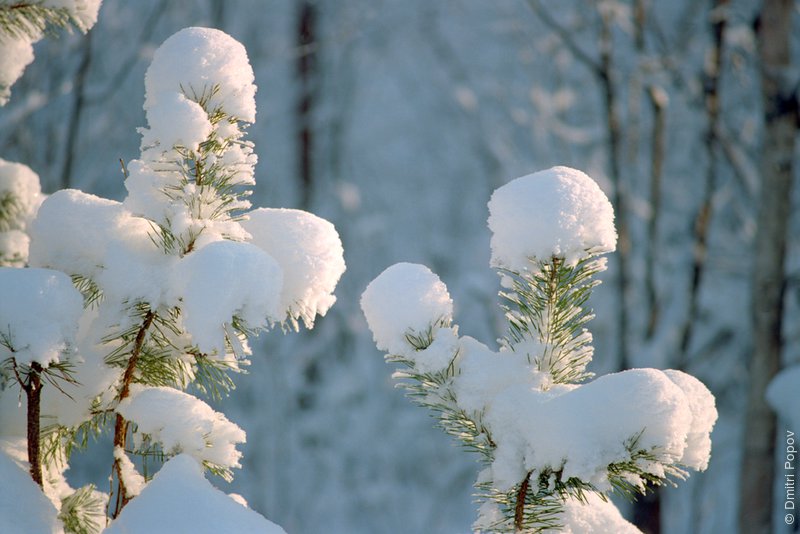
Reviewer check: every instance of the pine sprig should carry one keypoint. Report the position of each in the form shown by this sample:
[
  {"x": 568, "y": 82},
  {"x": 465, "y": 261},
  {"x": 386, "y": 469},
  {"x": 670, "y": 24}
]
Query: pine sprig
[
  {"x": 83, "y": 512},
  {"x": 547, "y": 305},
  {"x": 11, "y": 210},
  {"x": 32, "y": 19}
]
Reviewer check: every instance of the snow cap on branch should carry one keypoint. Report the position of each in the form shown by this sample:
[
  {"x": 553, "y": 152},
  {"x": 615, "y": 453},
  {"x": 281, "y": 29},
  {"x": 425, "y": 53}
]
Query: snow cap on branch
[
  {"x": 183, "y": 423},
  {"x": 583, "y": 429},
  {"x": 98, "y": 239},
  {"x": 557, "y": 212},
  {"x": 196, "y": 60},
  {"x": 180, "y": 499},
  {"x": 310, "y": 253},
  {"x": 406, "y": 298},
  {"x": 222, "y": 280},
  {"x": 39, "y": 315}
]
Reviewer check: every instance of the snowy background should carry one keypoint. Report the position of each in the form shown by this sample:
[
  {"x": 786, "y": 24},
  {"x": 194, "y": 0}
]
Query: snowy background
[{"x": 417, "y": 111}]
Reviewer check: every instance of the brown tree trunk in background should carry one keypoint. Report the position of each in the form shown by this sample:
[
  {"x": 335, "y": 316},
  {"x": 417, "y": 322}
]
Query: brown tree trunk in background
[
  {"x": 306, "y": 74},
  {"x": 768, "y": 283}
]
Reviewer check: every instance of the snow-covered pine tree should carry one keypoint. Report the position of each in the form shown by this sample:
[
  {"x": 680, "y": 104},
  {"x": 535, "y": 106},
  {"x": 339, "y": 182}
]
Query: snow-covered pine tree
[
  {"x": 23, "y": 22},
  {"x": 553, "y": 442},
  {"x": 173, "y": 280}
]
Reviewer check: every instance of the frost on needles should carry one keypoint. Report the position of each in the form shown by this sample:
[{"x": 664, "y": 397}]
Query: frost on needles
[
  {"x": 131, "y": 310},
  {"x": 553, "y": 441}
]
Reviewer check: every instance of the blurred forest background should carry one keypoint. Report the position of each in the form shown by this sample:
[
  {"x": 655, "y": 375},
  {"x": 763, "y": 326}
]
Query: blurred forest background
[{"x": 396, "y": 120}]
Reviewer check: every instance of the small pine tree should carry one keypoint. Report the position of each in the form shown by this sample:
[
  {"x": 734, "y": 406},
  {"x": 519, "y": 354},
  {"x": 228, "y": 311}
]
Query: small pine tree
[
  {"x": 172, "y": 283},
  {"x": 553, "y": 442}
]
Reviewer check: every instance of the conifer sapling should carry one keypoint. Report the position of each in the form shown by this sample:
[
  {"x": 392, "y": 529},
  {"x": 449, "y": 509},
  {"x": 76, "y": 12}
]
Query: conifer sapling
[
  {"x": 553, "y": 441},
  {"x": 174, "y": 279}
]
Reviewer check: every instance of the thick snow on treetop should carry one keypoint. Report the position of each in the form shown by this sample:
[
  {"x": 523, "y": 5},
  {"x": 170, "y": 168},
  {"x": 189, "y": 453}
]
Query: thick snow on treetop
[
  {"x": 557, "y": 212},
  {"x": 196, "y": 60},
  {"x": 404, "y": 299},
  {"x": 179, "y": 500},
  {"x": 39, "y": 314}
]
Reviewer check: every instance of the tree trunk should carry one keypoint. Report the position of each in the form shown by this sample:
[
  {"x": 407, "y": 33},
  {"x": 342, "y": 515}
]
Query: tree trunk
[
  {"x": 306, "y": 73},
  {"x": 768, "y": 283}
]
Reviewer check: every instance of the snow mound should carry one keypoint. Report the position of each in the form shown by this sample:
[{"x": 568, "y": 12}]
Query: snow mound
[
  {"x": 188, "y": 426},
  {"x": 179, "y": 500},
  {"x": 24, "y": 508},
  {"x": 310, "y": 253},
  {"x": 557, "y": 212},
  {"x": 196, "y": 61},
  {"x": 39, "y": 314},
  {"x": 404, "y": 299},
  {"x": 595, "y": 516}
]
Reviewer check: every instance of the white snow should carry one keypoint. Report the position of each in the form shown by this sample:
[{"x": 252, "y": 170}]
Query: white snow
[
  {"x": 39, "y": 314},
  {"x": 183, "y": 423},
  {"x": 783, "y": 394},
  {"x": 14, "y": 246},
  {"x": 223, "y": 279},
  {"x": 582, "y": 429},
  {"x": 175, "y": 120},
  {"x": 20, "y": 183},
  {"x": 310, "y": 253},
  {"x": 24, "y": 508},
  {"x": 85, "y": 11},
  {"x": 134, "y": 482},
  {"x": 404, "y": 299},
  {"x": 438, "y": 355},
  {"x": 82, "y": 234},
  {"x": 72, "y": 231},
  {"x": 595, "y": 516},
  {"x": 195, "y": 60},
  {"x": 557, "y": 212},
  {"x": 15, "y": 55},
  {"x": 704, "y": 415},
  {"x": 179, "y": 500}
]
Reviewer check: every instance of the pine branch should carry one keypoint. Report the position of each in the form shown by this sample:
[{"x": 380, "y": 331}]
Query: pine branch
[
  {"x": 82, "y": 511},
  {"x": 548, "y": 305},
  {"x": 32, "y": 386},
  {"x": 11, "y": 211},
  {"x": 519, "y": 507},
  {"x": 120, "y": 425},
  {"x": 32, "y": 19}
]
